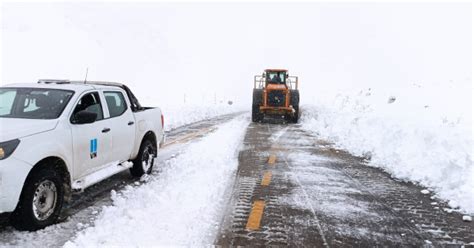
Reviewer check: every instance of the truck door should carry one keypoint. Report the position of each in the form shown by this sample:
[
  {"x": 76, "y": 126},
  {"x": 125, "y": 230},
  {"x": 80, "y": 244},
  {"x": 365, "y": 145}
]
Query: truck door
[
  {"x": 92, "y": 143},
  {"x": 122, "y": 123}
]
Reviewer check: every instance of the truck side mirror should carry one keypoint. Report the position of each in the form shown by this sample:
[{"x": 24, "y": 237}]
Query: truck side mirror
[{"x": 84, "y": 117}]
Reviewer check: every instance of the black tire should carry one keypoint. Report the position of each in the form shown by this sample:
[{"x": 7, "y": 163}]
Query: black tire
[
  {"x": 41, "y": 200},
  {"x": 295, "y": 102},
  {"x": 256, "y": 103},
  {"x": 145, "y": 159},
  {"x": 256, "y": 115}
]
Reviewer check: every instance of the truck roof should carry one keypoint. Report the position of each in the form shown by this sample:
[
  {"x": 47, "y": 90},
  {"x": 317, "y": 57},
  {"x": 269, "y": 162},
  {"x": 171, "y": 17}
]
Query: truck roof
[
  {"x": 67, "y": 85},
  {"x": 80, "y": 86}
]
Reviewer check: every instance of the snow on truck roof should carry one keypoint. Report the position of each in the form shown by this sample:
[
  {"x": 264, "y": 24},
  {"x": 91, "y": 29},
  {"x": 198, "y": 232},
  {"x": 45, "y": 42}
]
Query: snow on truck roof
[{"x": 67, "y": 85}]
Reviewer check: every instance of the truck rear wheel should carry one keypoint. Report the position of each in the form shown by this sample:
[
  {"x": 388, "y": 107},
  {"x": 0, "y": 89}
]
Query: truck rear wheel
[
  {"x": 41, "y": 200},
  {"x": 256, "y": 103},
  {"x": 295, "y": 102},
  {"x": 145, "y": 159}
]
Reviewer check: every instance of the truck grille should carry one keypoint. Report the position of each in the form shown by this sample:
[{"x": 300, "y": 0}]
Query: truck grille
[{"x": 276, "y": 98}]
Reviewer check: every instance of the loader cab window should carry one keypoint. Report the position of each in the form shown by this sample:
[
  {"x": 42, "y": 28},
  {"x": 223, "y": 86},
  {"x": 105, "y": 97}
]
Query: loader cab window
[
  {"x": 89, "y": 102},
  {"x": 276, "y": 77}
]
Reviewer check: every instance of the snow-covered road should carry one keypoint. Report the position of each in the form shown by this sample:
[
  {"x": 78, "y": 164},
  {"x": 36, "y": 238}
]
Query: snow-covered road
[
  {"x": 185, "y": 167},
  {"x": 181, "y": 205},
  {"x": 226, "y": 181},
  {"x": 295, "y": 189}
]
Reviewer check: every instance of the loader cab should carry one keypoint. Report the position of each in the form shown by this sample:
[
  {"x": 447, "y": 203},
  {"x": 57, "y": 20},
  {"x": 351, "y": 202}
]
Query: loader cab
[{"x": 275, "y": 76}]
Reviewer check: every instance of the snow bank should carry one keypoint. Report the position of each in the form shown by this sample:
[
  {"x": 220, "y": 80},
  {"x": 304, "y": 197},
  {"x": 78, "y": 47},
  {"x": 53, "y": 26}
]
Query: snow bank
[
  {"x": 179, "y": 205},
  {"x": 179, "y": 115},
  {"x": 417, "y": 133}
]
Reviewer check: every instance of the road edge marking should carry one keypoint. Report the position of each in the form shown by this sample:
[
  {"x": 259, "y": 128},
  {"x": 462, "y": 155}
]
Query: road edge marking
[{"x": 188, "y": 137}]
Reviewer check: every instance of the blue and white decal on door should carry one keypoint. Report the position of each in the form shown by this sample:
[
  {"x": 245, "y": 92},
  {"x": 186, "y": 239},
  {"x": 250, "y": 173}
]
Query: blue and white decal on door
[{"x": 93, "y": 148}]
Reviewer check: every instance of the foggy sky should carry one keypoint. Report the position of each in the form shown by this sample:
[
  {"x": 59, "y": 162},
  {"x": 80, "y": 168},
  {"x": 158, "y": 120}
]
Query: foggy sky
[{"x": 205, "y": 50}]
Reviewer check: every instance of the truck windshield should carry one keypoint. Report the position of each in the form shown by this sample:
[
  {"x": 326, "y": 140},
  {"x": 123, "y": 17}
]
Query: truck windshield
[{"x": 33, "y": 103}]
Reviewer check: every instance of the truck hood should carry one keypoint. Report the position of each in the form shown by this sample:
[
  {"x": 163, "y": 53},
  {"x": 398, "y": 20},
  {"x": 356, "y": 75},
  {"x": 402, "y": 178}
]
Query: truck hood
[{"x": 15, "y": 128}]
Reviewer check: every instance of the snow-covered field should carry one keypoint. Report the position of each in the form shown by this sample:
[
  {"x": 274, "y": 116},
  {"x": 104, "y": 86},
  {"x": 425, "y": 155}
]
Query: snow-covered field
[
  {"x": 418, "y": 132},
  {"x": 181, "y": 205}
]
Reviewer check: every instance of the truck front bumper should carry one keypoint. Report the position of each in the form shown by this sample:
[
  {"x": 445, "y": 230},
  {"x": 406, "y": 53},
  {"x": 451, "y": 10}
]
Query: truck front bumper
[
  {"x": 276, "y": 110},
  {"x": 13, "y": 173}
]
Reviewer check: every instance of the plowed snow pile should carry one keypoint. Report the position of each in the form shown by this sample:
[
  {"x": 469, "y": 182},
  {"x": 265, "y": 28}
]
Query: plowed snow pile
[
  {"x": 180, "y": 205},
  {"x": 416, "y": 133}
]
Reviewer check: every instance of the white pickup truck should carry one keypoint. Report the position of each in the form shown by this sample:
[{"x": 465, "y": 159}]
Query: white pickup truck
[{"x": 57, "y": 136}]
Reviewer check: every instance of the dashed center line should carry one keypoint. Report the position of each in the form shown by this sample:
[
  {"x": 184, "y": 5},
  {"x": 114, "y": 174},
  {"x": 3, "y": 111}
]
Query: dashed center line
[
  {"x": 255, "y": 216},
  {"x": 267, "y": 177},
  {"x": 272, "y": 159}
]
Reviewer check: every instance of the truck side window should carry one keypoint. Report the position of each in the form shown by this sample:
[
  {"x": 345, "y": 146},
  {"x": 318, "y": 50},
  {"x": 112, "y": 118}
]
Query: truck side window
[
  {"x": 89, "y": 102},
  {"x": 115, "y": 103}
]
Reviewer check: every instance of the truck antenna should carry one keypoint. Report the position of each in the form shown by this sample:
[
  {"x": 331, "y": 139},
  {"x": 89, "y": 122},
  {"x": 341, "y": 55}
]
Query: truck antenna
[{"x": 87, "y": 71}]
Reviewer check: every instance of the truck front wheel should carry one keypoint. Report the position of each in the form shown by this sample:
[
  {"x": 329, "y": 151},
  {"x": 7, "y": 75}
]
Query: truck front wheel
[
  {"x": 145, "y": 159},
  {"x": 40, "y": 202}
]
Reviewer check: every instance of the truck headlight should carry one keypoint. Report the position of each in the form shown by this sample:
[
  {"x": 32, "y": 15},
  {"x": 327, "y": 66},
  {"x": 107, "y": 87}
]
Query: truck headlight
[{"x": 7, "y": 148}]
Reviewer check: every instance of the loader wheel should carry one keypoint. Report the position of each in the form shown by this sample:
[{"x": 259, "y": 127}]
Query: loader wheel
[
  {"x": 295, "y": 102},
  {"x": 145, "y": 159},
  {"x": 256, "y": 103},
  {"x": 256, "y": 115},
  {"x": 40, "y": 202}
]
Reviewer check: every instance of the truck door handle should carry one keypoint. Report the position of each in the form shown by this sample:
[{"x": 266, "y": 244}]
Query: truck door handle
[
  {"x": 106, "y": 130},
  {"x": 131, "y": 123}
]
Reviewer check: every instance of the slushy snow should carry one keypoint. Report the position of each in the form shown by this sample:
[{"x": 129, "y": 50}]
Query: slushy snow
[
  {"x": 180, "y": 205},
  {"x": 425, "y": 135}
]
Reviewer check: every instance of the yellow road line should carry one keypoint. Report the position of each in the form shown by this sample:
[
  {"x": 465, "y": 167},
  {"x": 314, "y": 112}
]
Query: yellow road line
[
  {"x": 267, "y": 177},
  {"x": 276, "y": 148},
  {"x": 272, "y": 159},
  {"x": 255, "y": 216},
  {"x": 188, "y": 137}
]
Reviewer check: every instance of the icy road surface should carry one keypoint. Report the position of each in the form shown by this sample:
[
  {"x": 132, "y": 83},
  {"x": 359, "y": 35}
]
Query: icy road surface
[{"x": 226, "y": 181}]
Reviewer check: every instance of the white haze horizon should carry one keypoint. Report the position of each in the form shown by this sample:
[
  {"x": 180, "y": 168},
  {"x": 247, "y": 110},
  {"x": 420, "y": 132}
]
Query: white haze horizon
[{"x": 211, "y": 51}]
